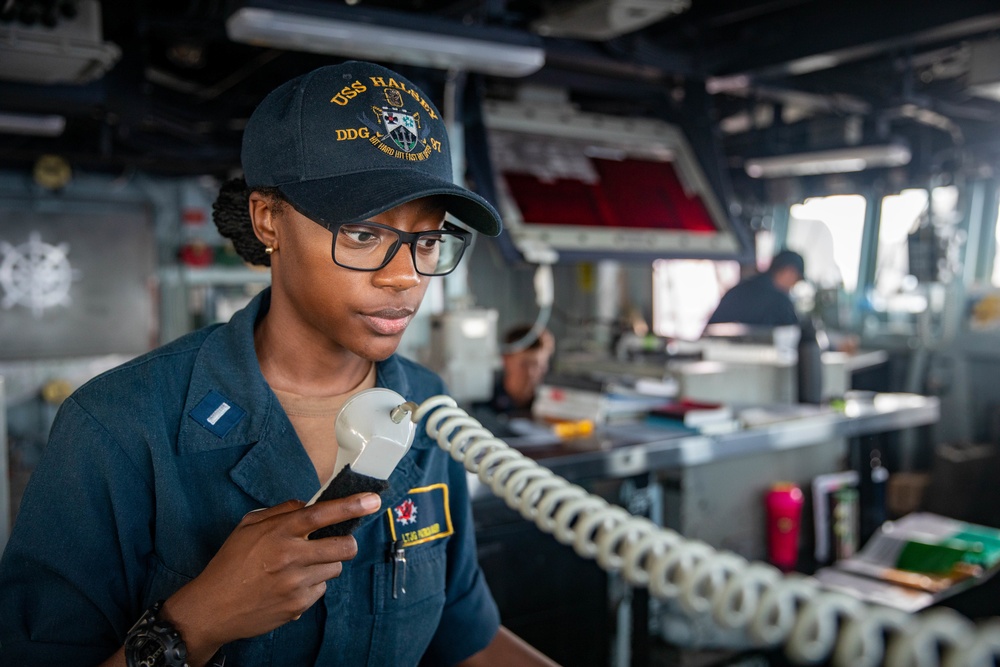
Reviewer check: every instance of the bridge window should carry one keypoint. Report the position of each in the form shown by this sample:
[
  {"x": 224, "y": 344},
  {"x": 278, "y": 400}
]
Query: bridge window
[
  {"x": 686, "y": 292},
  {"x": 827, "y": 232}
]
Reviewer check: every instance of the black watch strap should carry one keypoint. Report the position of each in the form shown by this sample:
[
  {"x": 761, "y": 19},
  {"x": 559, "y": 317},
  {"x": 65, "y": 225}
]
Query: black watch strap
[{"x": 154, "y": 642}]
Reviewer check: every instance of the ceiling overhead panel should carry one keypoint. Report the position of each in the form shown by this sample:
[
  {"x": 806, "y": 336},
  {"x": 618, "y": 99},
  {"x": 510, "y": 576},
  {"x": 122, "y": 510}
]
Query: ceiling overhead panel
[
  {"x": 168, "y": 86},
  {"x": 916, "y": 84}
]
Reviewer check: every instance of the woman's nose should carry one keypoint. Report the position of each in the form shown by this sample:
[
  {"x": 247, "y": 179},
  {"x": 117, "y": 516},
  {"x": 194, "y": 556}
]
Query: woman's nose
[{"x": 400, "y": 272}]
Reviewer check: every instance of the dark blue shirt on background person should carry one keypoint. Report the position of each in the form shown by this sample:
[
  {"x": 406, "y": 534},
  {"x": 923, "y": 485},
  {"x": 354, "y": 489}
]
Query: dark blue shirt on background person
[{"x": 763, "y": 300}]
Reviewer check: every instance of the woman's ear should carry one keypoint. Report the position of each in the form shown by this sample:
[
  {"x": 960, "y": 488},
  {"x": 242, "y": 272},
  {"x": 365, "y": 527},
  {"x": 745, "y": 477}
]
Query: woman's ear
[{"x": 262, "y": 217}]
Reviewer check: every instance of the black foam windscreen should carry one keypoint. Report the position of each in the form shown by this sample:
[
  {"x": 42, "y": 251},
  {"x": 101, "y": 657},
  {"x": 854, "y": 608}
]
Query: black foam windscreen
[{"x": 347, "y": 483}]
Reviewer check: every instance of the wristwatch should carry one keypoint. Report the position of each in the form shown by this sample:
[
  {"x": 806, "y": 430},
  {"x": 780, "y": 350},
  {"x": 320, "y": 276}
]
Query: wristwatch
[{"x": 154, "y": 642}]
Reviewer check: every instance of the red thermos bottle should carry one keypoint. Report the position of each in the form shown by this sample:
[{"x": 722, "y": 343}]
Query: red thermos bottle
[{"x": 784, "y": 514}]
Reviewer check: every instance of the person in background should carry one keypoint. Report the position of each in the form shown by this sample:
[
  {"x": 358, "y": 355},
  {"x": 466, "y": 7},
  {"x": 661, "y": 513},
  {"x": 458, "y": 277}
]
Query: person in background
[
  {"x": 762, "y": 300},
  {"x": 167, "y": 523},
  {"x": 525, "y": 365}
]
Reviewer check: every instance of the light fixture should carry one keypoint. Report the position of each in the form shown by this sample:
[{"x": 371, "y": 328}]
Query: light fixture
[
  {"x": 834, "y": 161},
  {"x": 299, "y": 31},
  {"x": 50, "y": 125}
]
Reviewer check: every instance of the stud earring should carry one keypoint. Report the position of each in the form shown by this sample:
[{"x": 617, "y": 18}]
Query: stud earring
[{"x": 268, "y": 250}]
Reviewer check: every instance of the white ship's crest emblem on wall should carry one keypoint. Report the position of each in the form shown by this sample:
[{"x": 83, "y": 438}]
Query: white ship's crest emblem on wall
[{"x": 35, "y": 275}]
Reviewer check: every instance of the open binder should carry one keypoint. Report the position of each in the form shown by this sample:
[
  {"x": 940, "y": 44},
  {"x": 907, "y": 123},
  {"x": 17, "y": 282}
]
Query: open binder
[{"x": 916, "y": 561}]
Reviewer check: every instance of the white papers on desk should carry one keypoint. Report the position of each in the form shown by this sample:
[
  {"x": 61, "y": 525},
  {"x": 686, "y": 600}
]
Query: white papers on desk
[
  {"x": 572, "y": 404},
  {"x": 774, "y": 414},
  {"x": 667, "y": 387},
  {"x": 874, "y": 590}
]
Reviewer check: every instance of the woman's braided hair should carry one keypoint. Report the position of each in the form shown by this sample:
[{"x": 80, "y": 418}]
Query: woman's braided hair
[{"x": 231, "y": 213}]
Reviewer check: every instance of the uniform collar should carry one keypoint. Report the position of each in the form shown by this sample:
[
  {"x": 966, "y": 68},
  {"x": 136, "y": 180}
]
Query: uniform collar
[
  {"x": 227, "y": 364},
  {"x": 277, "y": 467}
]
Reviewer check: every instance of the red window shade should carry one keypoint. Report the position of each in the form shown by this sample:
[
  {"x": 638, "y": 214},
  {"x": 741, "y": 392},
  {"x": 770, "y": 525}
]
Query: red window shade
[{"x": 632, "y": 194}]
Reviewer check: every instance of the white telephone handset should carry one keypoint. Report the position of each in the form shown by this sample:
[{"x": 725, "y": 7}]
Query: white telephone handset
[
  {"x": 814, "y": 625},
  {"x": 382, "y": 442}
]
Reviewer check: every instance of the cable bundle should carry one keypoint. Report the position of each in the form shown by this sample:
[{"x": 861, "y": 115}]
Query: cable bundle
[{"x": 772, "y": 609}]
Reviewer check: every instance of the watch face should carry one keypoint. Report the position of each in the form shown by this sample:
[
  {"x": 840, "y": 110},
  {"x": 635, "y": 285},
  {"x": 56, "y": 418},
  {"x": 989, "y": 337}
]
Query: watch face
[
  {"x": 144, "y": 650},
  {"x": 155, "y": 646}
]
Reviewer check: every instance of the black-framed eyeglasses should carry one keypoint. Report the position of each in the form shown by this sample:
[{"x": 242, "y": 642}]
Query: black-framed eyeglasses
[{"x": 369, "y": 246}]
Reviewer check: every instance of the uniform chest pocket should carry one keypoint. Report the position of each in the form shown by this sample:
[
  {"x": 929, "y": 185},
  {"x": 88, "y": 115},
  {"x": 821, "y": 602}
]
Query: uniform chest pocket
[
  {"x": 406, "y": 622},
  {"x": 164, "y": 582}
]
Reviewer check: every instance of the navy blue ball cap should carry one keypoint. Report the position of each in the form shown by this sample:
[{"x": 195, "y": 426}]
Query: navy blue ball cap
[
  {"x": 346, "y": 142},
  {"x": 788, "y": 258}
]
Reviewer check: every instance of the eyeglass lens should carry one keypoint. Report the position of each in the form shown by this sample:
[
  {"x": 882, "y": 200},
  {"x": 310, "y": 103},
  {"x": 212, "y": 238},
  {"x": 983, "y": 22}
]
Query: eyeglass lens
[{"x": 368, "y": 247}]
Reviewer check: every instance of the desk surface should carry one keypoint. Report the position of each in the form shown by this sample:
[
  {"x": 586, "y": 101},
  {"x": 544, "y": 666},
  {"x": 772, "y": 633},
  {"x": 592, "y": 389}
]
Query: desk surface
[{"x": 623, "y": 450}]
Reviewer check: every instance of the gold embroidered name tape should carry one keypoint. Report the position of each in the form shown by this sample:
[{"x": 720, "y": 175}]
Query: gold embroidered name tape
[{"x": 423, "y": 515}]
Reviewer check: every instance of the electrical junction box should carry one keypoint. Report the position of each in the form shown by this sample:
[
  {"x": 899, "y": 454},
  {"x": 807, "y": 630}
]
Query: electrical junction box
[
  {"x": 71, "y": 52},
  {"x": 464, "y": 352},
  {"x": 984, "y": 69}
]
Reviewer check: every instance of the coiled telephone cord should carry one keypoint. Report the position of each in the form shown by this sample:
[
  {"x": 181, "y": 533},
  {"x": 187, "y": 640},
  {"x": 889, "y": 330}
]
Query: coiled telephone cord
[{"x": 813, "y": 624}]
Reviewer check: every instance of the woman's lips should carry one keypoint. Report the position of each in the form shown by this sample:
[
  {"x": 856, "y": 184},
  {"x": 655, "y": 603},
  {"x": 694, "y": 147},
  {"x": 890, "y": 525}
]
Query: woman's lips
[{"x": 389, "y": 321}]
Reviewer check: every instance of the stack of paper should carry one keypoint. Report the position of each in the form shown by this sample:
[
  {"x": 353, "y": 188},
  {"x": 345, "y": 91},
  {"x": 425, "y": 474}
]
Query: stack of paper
[{"x": 573, "y": 403}]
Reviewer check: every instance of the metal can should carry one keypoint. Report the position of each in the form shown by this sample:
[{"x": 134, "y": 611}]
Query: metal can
[{"x": 784, "y": 517}]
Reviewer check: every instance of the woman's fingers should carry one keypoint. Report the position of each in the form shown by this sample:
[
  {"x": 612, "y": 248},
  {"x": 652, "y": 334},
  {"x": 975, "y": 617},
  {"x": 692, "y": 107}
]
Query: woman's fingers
[
  {"x": 268, "y": 571},
  {"x": 256, "y": 516},
  {"x": 329, "y": 512}
]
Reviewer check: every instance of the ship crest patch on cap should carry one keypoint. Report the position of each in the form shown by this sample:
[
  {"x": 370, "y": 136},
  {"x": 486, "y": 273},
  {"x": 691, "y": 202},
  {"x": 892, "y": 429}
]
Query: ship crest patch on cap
[
  {"x": 401, "y": 127},
  {"x": 391, "y": 127}
]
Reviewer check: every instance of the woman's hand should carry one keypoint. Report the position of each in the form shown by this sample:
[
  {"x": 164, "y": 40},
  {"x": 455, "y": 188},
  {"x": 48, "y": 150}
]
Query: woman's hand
[{"x": 265, "y": 574}]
